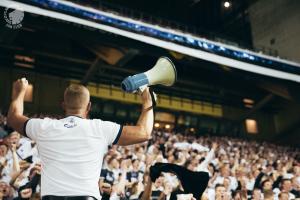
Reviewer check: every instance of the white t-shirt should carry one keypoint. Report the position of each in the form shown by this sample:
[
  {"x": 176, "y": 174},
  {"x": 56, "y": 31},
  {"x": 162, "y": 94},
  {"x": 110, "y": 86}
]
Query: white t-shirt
[
  {"x": 25, "y": 148},
  {"x": 233, "y": 182},
  {"x": 71, "y": 152},
  {"x": 203, "y": 166}
]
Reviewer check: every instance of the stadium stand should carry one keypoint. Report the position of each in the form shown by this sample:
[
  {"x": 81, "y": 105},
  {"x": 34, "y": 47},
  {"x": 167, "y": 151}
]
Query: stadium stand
[{"x": 238, "y": 169}]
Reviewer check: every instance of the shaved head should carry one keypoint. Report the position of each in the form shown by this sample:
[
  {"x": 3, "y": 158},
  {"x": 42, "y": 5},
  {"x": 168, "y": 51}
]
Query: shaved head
[{"x": 76, "y": 98}]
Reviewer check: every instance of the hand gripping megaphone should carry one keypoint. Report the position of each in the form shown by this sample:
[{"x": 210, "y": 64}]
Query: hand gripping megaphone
[{"x": 163, "y": 73}]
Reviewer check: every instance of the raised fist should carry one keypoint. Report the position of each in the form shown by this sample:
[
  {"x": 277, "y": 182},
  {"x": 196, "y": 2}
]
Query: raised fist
[{"x": 19, "y": 87}]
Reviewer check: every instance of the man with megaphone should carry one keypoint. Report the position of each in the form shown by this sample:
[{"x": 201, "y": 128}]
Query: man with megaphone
[{"x": 72, "y": 149}]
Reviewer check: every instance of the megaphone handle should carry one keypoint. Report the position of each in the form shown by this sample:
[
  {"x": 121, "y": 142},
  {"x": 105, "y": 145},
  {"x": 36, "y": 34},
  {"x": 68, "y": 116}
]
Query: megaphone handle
[{"x": 152, "y": 97}]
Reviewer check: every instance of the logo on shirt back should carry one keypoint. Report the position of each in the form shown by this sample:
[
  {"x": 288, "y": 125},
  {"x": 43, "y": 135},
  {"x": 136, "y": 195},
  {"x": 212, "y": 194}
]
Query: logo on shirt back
[{"x": 70, "y": 124}]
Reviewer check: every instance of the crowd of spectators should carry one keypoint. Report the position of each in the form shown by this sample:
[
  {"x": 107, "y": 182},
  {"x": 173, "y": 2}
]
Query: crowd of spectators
[{"x": 238, "y": 169}]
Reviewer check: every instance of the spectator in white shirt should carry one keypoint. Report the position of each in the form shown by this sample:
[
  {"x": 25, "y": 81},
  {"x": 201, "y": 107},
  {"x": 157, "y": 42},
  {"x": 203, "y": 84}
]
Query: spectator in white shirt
[
  {"x": 72, "y": 149},
  {"x": 203, "y": 166},
  {"x": 225, "y": 173},
  {"x": 286, "y": 187},
  {"x": 221, "y": 193}
]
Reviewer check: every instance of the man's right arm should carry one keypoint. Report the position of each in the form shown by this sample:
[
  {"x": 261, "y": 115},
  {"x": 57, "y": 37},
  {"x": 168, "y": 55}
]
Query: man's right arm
[
  {"x": 15, "y": 117},
  {"x": 143, "y": 129}
]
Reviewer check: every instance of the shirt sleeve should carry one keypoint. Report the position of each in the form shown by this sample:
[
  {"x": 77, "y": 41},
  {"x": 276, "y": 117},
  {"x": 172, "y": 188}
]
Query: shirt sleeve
[
  {"x": 208, "y": 159},
  {"x": 111, "y": 131},
  {"x": 32, "y": 128},
  {"x": 103, "y": 173}
]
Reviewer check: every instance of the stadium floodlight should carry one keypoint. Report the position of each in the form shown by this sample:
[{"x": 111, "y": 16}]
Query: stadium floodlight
[{"x": 227, "y": 4}]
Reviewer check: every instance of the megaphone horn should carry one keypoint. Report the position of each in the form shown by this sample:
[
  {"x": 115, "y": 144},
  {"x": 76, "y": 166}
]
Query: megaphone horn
[{"x": 163, "y": 73}]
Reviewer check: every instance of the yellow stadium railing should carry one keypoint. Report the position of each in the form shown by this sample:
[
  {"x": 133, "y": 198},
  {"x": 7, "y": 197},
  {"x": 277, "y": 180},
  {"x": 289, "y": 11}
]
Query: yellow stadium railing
[{"x": 163, "y": 101}]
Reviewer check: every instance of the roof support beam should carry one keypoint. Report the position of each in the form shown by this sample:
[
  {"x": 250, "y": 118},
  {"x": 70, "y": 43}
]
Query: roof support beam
[
  {"x": 277, "y": 89},
  {"x": 257, "y": 106},
  {"x": 127, "y": 57},
  {"x": 91, "y": 71}
]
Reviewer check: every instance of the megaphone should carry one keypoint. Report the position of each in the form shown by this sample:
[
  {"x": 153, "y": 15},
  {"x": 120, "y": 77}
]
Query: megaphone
[{"x": 163, "y": 73}]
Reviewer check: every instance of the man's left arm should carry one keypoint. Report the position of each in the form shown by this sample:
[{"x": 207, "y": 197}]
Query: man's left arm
[{"x": 15, "y": 117}]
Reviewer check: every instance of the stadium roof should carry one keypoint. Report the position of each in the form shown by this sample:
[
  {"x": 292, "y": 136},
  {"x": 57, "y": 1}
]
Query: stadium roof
[{"x": 74, "y": 51}]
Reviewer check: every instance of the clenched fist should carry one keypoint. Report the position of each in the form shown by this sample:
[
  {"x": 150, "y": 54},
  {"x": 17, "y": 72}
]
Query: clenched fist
[{"x": 19, "y": 88}]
